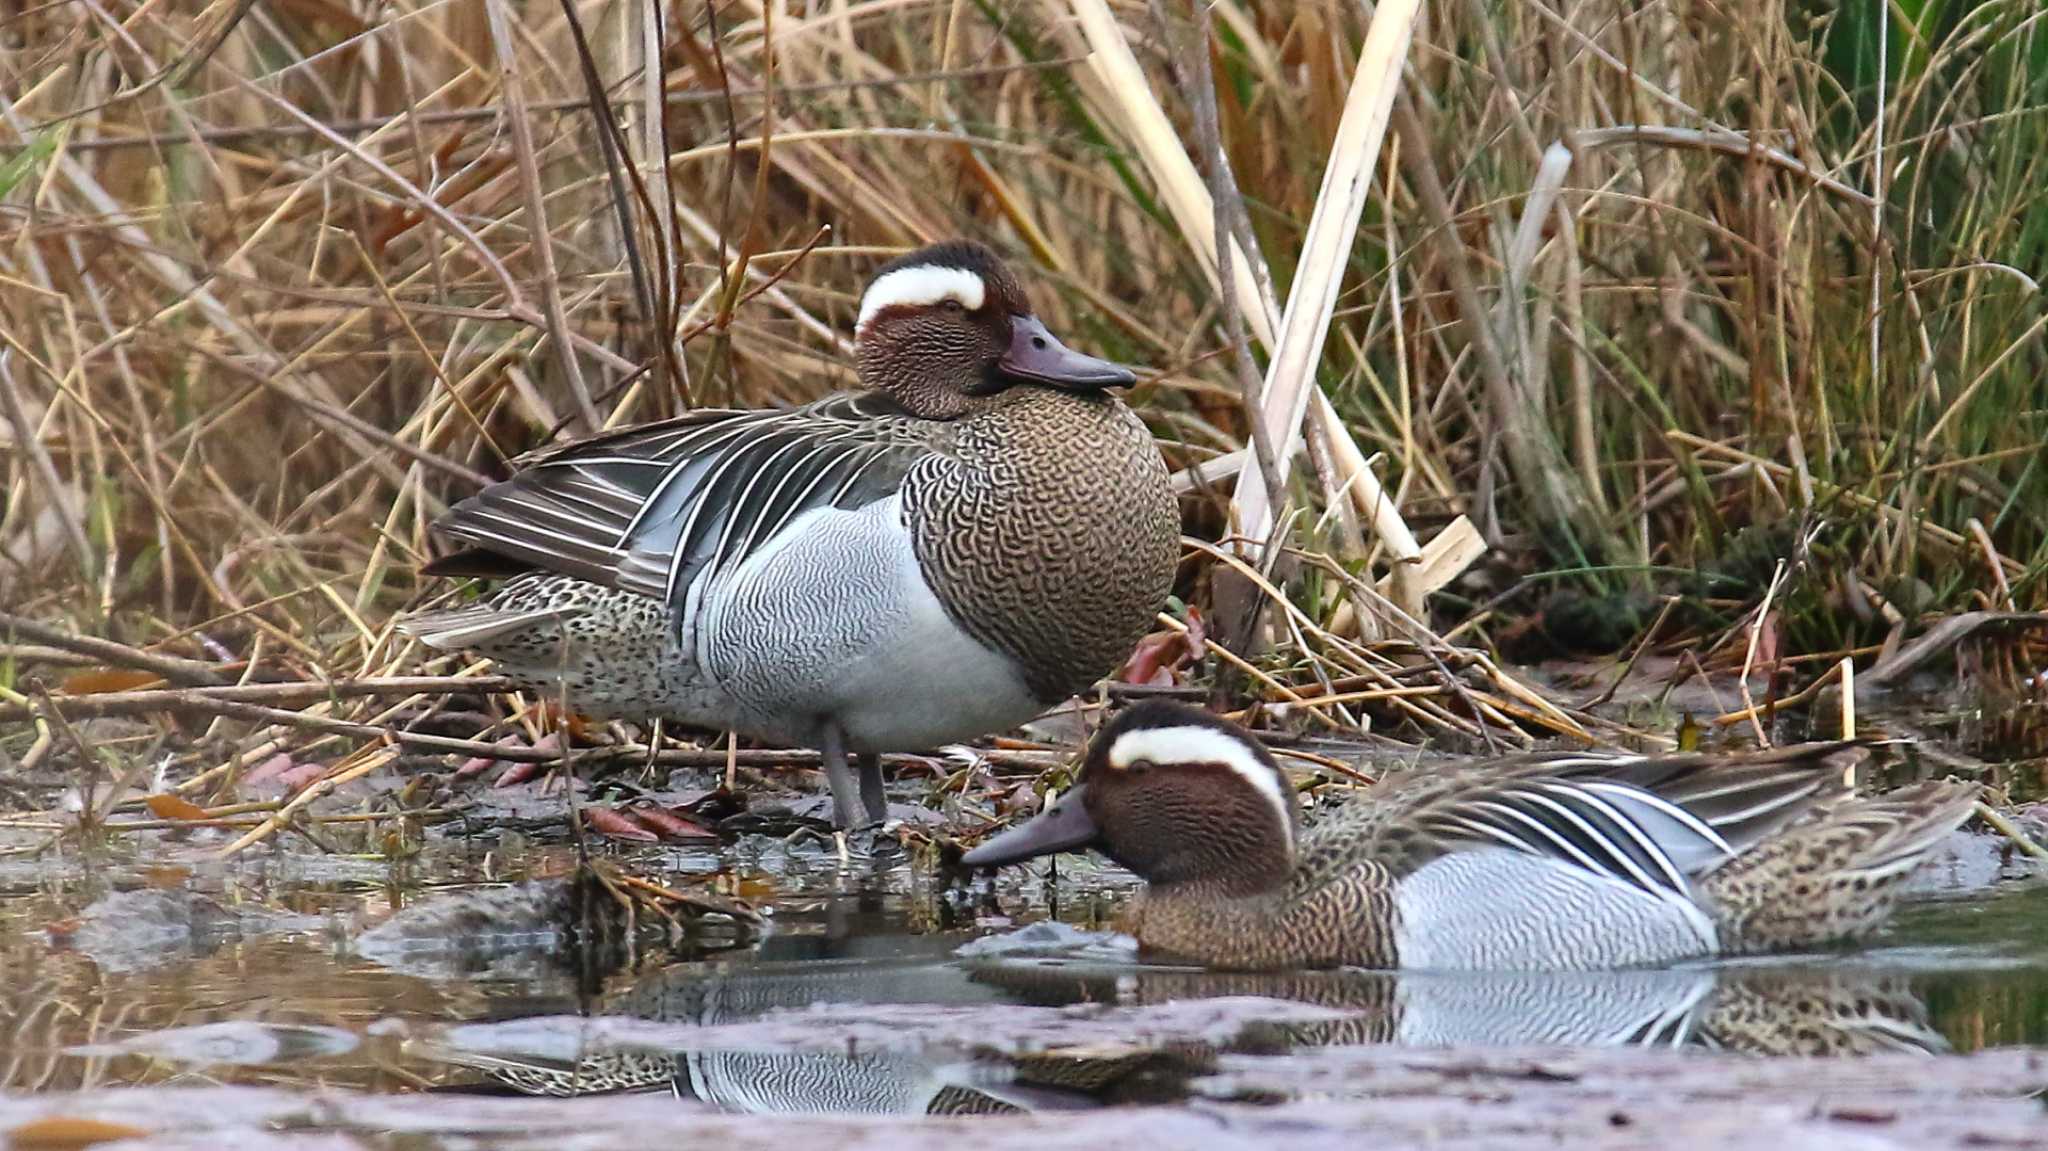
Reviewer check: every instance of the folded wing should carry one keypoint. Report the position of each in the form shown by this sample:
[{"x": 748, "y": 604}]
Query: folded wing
[
  {"x": 653, "y": 509},
  {"x": 1655, "y": 823}
]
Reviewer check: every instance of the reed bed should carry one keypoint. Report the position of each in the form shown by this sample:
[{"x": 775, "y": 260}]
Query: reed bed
[{"x": 1718, "y": 325}]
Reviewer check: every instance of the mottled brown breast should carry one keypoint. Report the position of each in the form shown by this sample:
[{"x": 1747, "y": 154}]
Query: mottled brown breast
[
  {"x": 1049, "y": 531},
  {"x": 1341, "y": 917}
]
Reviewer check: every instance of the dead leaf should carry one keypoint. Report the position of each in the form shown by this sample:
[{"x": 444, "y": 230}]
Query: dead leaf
[
  {"x": 299, "y": 778},
  {"x": 1767, "y": 641},
  {"x": 1157, "y": 657},
  {"x": 175, "y": 807},
  {"x": 605, "y": 821},
  {"x": 517, "y": 774},
  {"x": 554, "y": 716},
  {"x": 101, "y": 681},
  {"x": 670, "y": 825},
  {"x": 756, "y": 887},
  {"x": 269, "y": 769},
  {"x": 166, "y": 876},
  {"x": 63, "y": 1132}
]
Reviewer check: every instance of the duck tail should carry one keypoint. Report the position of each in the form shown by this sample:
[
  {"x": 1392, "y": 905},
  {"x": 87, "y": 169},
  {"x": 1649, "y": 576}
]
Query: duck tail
[
  {"x": 1836, "y": 875},
  {"x": 478, "y": 627},
  {"x": 1824, "y": 1012}
]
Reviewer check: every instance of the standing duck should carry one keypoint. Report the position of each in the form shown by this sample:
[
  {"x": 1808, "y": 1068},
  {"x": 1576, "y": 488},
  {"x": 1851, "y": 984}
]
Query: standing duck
[
  {"x": 1545, "y": 862},
  {"x": 981, "y": 534}
]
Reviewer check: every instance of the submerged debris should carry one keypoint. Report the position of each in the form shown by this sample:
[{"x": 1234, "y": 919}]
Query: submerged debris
[{"x": 600, "y": 919}]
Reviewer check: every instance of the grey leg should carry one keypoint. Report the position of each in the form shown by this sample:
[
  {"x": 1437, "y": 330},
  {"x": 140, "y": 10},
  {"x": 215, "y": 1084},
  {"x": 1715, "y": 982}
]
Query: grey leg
[
  {"x": 871, "y": 788},
  {"x": 845, "y": 793}
]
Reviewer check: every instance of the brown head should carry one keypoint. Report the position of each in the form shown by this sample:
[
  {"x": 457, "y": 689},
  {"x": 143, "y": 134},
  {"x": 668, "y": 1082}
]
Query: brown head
[
  {"x": 1177, "y": 796},
  {"x": 947, "y": 325}
]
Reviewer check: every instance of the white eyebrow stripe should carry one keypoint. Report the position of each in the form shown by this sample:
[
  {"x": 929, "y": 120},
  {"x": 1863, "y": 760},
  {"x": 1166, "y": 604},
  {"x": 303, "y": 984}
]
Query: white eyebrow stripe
[
  {"x": 919, "y": 286},
  {"x": 1193, "y": 743}
]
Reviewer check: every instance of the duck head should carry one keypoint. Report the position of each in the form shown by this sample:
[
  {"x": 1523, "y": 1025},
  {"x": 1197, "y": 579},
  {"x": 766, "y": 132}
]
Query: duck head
[
  {"x": 946, "y": 325},
  {"x": 1177, "y": 796}
]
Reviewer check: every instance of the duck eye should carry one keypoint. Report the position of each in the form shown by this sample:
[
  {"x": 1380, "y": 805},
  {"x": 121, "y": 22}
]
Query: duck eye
[
  {"x": 952, "y": 305},
  {"x": 1139, "y": 766}
]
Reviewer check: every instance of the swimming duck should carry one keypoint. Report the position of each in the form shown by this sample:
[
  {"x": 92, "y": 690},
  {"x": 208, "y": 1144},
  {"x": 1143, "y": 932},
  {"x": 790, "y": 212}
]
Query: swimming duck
[
  {"x": 1544, "y": 862},
  {"x": 982, "y": 533}
]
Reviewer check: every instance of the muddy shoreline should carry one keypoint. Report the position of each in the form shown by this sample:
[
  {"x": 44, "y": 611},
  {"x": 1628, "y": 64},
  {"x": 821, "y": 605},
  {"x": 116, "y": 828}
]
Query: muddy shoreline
[{"x": 1380, "y": 1097}]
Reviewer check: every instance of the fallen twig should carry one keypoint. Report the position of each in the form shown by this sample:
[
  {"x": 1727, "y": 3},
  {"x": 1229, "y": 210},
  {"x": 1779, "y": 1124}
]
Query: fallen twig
[
  {"x": 208, "y": 699},
  {"x": 191, "y": 672}
]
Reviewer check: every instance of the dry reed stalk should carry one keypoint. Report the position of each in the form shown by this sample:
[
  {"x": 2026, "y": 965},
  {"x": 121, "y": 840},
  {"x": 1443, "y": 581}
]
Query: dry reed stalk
[
  {"x": 54, "y": 489},
  {"x": 1124, "y": 97},
  {"x": 143, "y": 702},
  {"x": 1347, "y": 182},
  {"x": 1756, "y": 626},
  {"x": 1752, "y": 713},
  {"x": 196, "y": 673}
]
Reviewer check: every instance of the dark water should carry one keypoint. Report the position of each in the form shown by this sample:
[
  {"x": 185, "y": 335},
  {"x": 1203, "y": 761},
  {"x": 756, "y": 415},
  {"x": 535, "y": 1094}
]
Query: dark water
[{"x": 277, "y": 975}]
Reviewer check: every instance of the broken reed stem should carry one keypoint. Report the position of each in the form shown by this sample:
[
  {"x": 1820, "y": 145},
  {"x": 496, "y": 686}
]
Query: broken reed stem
[
  {"x": 45, "y": 468},
  {"x": 191, "y": 672},
  {"x": 1756, "y": 627},
  {"x": 1130, "y": 105},
  {"x": 1542, "y": 474},
  {"x": 511, "y": 80},
  {"x": 1122, "y": 97},
  {"x": 147, "y": 701},
  {"x": 1233, "y": 659},
  {"x": 1323, "y": 761},
  {"x": 1846, "y": 672},
  {"x": 2006, "y": 827},
  {"x": 1992, "y": 561},
  {"x": 1326, "y": 247},
  {"x": 1798, "y": 698},
  {"x": 1200, "y": 86},
  {"x": 231, "y": 821}
]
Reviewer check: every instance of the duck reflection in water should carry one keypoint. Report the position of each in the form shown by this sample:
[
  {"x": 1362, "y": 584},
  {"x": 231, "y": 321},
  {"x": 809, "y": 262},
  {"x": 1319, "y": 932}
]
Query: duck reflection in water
[{"x": 1762, "y": 1010}]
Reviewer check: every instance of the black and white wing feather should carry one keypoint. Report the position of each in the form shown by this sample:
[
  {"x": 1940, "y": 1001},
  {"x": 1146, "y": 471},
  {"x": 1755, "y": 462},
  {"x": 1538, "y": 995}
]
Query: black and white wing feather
[
  {"x": 1655, "y": 822},
  {"x": 652, "y": 509}
]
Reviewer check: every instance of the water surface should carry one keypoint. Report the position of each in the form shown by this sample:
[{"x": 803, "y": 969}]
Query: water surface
[{"x": 279, "y": 975}]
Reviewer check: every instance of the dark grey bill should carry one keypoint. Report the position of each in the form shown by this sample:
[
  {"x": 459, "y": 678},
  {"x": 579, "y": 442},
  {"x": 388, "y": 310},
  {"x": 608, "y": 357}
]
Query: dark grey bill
[
  {"x": 1065, "y": 826},
  {"x": 1036, "y": 354}
]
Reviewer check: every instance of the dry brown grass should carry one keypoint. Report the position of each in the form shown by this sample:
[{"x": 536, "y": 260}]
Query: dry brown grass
[{"x": 280, "y": 281}]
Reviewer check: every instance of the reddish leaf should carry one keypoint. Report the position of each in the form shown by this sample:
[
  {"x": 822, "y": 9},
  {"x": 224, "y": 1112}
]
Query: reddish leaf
[
  {"x": 553, "y": 716},
  {"x": 757, "y": 887},
  {"x": 671, "y": 825},
  {"x": 175, "y": 807},
  {"x": 1767, "y": 640},
  {"x": 66, "y": 1132},
  {"x": 166, "y": 876},
  {"x": 100, "y": 681},
  {"x": 1156, "y": 658},
  {"x": 273, "y": 768},
  {"x": 477, "y": 765},
  {"x": 302, "y": 776},
  {"x": 605, "y": 821},
  {"x": 517, "y": 774}
]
